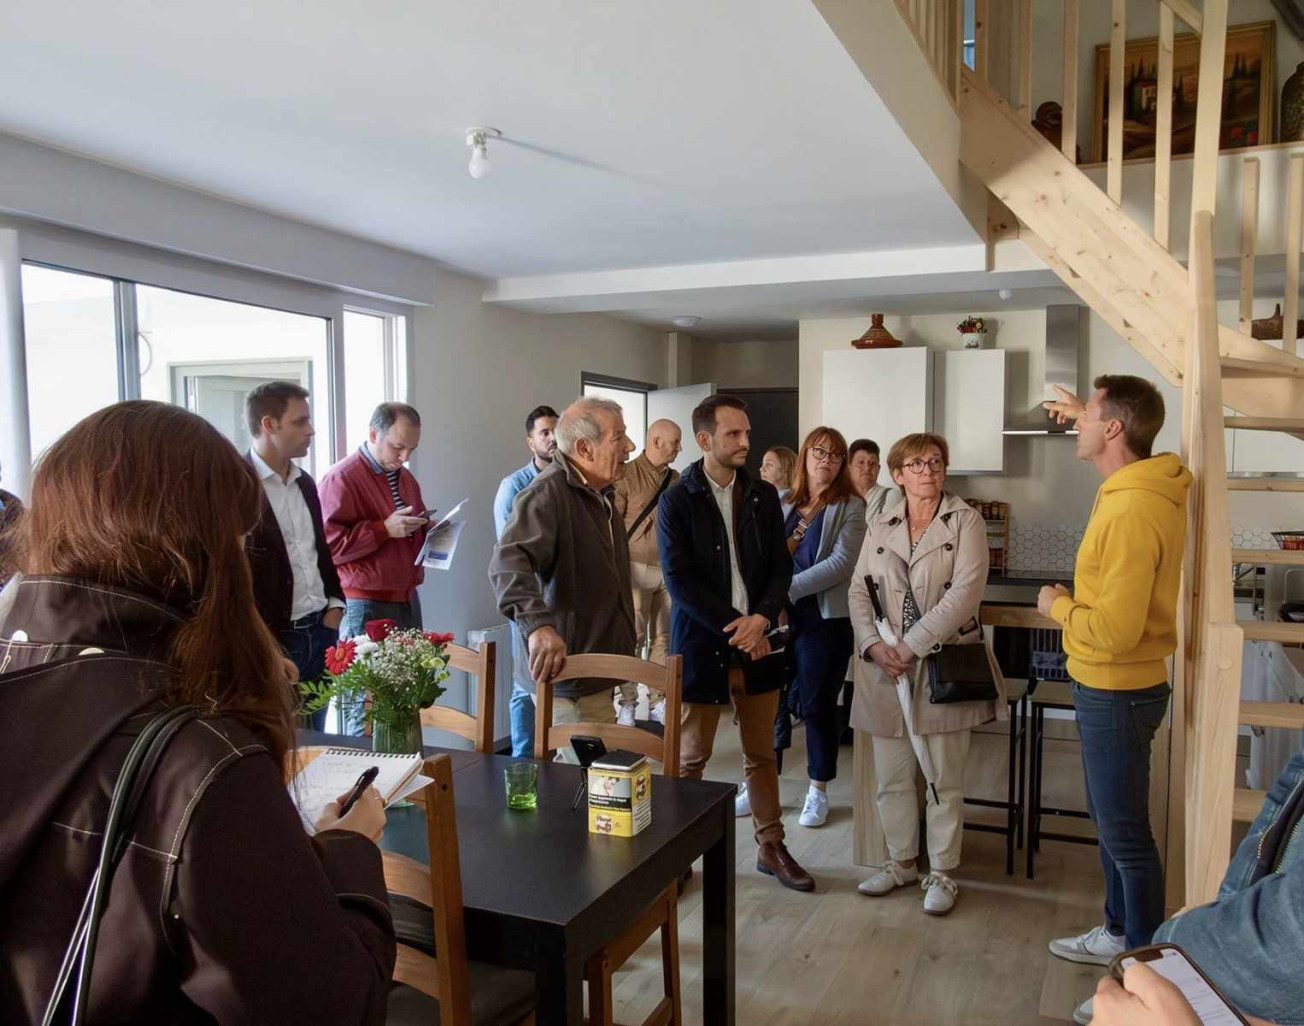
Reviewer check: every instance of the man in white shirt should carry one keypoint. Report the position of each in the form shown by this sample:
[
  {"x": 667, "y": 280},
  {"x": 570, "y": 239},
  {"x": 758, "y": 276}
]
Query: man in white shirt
[{"x": 296, "y": 587}]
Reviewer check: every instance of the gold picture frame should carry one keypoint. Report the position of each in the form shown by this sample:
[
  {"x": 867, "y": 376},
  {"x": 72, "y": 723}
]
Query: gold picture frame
[{"x": 1250, "y": 89}]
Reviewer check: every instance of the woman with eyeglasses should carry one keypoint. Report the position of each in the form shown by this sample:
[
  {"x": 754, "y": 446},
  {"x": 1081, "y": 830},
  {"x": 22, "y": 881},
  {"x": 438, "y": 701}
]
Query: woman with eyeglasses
[
  {"x": 825, "y": 524},
  {"x": 928, "y": 559}
]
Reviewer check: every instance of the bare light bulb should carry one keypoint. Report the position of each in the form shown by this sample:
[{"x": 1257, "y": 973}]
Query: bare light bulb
[{"x": 479, "y": 166}]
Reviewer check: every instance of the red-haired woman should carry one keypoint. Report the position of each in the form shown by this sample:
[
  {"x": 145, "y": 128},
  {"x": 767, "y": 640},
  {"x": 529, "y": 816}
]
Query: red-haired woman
[
  {"x": 136, "y": 596},
  {"x": 825, "y": 522}
]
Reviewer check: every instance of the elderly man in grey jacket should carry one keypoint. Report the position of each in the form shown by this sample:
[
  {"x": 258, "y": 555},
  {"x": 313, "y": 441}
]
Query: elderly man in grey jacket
[{"x": 561, "y": 568}]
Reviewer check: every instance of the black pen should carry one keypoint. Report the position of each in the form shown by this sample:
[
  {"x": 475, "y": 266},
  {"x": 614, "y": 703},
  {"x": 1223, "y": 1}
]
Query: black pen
[{"x": 364, "y": 782}]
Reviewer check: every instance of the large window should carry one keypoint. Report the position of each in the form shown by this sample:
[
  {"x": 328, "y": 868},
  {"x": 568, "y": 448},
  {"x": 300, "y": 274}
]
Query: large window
[
  {"x": 373, "y": 368},
  {"x": 632, "y": 397}
]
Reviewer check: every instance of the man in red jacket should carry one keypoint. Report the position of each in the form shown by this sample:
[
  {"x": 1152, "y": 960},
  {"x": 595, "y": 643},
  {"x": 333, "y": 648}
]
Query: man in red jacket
[{"x": 370, "y": 502}]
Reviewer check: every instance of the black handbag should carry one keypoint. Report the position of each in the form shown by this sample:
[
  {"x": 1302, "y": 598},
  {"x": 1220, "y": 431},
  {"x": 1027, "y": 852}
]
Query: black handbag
[
  {"x": 142, "y": 759},
  {"x": 961, "y": 673}
]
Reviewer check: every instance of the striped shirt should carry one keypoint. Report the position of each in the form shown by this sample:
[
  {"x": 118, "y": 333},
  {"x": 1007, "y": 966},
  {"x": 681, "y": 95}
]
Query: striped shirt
[{"x": 391, "y": 475}]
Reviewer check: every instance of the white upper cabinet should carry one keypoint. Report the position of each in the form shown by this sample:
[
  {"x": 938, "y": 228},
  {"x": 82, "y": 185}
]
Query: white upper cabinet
[
  {"x": 880, "y": 394},
  {"x": 969, "y": 408}
]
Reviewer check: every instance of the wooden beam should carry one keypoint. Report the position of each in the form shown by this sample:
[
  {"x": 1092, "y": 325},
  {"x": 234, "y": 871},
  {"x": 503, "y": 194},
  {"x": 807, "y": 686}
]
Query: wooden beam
[
  {"x": 1249, "y": 235},
  {"x": 1286, "y": 424},
  {"x": 1208, "y": 111},
  {"x": 1114, "y": 156},
  {"x": 1265, "y": 484},
  {"x": 1246, "y": 804},
  {"x": 1264, "y": 630},
  {"x": 1069, "y": 133},
  {"x": 1269, "y": 557},
  {"x": 980, "y": 42},
  {"x": 1294, "y": 211},
  {"x": 1232, "y": 367},
  {"x": 1288, "y": 715},
  {"x": 1185, "y": 10},
  {"x": 1023, "y": 102},
  {"x": 1164, "y": 131}
]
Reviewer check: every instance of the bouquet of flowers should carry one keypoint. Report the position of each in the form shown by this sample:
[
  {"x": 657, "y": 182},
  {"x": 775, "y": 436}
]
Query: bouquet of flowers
[
  {"x": 972, "y": 325},
  {"x": 390, "y": 674}
]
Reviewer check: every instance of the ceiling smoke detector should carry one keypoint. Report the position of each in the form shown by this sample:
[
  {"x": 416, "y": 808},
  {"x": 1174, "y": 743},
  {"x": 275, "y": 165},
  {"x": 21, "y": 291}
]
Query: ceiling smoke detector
[
  {"x": 686, "y": 322},
  {"x": 477, "y": 137}
]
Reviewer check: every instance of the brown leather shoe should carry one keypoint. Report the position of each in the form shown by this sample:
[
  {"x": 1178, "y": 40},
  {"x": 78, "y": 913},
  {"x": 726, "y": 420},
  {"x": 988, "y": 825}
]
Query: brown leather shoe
[{"x": 773, "y": 859}]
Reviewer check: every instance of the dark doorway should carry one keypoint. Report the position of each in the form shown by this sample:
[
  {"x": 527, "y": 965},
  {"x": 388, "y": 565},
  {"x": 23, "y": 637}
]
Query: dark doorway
[{"x": 773, "y": 413}]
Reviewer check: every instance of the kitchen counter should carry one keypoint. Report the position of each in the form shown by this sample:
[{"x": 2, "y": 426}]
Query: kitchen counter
[{"x": 1034, "y": 578}]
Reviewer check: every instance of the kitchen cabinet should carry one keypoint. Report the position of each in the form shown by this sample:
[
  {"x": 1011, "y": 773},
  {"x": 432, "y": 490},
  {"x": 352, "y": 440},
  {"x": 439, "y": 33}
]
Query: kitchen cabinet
[
  {"x": 969, "y": 408},
  {"x": 880, "y": 394}
]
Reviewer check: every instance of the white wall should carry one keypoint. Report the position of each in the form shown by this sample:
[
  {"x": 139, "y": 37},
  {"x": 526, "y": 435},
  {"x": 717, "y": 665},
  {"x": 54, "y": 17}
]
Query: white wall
[
  {"x": 760, "y": 363},
  {"x": 478, "y": 370}
]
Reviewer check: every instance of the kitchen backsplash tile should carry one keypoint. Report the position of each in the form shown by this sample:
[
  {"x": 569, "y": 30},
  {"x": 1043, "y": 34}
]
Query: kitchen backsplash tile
[{"x": 1054, "y": 546}]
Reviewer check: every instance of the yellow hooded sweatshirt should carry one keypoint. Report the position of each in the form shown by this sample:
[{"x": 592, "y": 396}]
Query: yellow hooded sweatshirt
[{"x": 1120, "y": 625}]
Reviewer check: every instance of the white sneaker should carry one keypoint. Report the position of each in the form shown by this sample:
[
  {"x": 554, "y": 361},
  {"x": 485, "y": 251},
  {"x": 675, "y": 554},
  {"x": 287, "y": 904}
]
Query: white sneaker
[
  {"x": 888, "y": 879},
  {"x": 1082, "y": 1014},
  {"x": 816, "y": 810},
  {"x": 742, "y": 804},
  {"x": 1095, "y": 947},
  {"x": 658, "y": 712},
  {"x": 940, "y": 892},
  {"x": 625, "y": 716}
]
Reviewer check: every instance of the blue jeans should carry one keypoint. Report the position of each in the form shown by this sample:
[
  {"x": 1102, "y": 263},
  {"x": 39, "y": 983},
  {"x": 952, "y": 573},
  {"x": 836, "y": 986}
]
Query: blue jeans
[
  {"x": 522, "y": 709},
  {"x": 305, "y": 642},
  {"x": 357, "y": 614},
  {"x": 1117, "y": 728}
]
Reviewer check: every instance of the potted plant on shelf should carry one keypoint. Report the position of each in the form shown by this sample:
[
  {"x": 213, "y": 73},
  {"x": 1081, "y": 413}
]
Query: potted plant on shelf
[
  {"x": 391, "y": 675},
  {"x": 973, "y": 332}
]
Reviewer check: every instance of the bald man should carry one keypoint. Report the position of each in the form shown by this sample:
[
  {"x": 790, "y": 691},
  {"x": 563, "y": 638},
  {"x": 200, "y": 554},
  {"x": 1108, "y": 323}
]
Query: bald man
[{"x": 642, "y": 483}]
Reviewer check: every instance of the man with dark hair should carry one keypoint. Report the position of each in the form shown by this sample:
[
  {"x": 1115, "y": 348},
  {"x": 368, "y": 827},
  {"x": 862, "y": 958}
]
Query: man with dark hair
[
  {"x": 724, "y": 554},
  {"x": 376, "y": 520},
  {"x": 296, "y": 587},
  {"x": 540, "y": 425},
  {"x": 1120, "y": 627},
  {"x": 863, "y": 463}
]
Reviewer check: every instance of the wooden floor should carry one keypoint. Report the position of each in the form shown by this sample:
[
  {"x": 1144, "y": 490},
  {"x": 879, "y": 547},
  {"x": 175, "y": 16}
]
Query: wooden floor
[{"x": 837, "y": 957}]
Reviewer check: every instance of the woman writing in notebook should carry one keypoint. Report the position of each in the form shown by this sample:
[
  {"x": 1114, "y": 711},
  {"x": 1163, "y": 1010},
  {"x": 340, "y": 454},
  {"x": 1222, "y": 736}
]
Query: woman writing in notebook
[{"x": 136, "y": 597}]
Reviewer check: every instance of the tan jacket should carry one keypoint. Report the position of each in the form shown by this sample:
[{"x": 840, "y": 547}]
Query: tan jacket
[
  {"x": 948, "y": 574},
  {"x": 637, "y": 484}
]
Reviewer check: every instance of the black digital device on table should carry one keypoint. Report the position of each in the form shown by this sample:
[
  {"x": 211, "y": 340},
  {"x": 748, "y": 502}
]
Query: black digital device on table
[
  {"x": 1175, "y": 965},
  {"x": 364, "y": 781},
  {"x": 587, "y": 750}
]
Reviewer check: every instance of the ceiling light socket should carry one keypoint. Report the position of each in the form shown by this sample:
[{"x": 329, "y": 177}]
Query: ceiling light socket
[
  {"x": 687, "y": 321},
  {"x": 1006, "y": 293},
  {"x": 477, "y": 137}
]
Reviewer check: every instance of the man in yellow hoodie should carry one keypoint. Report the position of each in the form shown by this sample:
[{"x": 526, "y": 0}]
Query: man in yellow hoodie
[{"x": 1120, "y": 627}]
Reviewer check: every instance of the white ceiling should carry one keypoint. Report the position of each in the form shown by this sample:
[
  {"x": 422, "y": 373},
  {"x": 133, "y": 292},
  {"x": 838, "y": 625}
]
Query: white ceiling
[{"x": 639, "y": 134}]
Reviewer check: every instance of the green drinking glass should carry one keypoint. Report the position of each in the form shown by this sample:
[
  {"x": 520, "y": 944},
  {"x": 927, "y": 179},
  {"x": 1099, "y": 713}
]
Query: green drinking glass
[{"x": 522, "y": 780}]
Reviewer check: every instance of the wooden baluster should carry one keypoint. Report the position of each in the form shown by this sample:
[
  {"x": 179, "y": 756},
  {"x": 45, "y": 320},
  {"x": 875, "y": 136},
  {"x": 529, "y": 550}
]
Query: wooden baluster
[
  {"x": 1164, "y": 129},
  {"x": 1249, "y": 235},
  {"x": 1117, "y": 44},
  {"x": 1294, "y": 208},
  {"x": 1208, "y": 111},
  {"x": 1024, "y": 103},
  {"x": 1069, "y": 134},
  {"x": 980, "y": 45}
]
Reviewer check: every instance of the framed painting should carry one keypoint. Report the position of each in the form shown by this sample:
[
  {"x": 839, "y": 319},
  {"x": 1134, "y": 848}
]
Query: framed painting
[{"x": 1249, "y": 88}]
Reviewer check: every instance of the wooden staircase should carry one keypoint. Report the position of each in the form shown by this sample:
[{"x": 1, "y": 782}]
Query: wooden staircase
[{"x": 1167, "y": 312}]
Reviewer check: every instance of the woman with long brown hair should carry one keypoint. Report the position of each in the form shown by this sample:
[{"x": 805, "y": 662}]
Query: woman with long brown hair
[
  {"x": 825, "y": 522},
  {"x": 135, "y": 597}
]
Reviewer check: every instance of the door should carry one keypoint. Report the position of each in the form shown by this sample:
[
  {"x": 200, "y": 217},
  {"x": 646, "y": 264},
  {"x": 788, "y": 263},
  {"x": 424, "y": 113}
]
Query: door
[
  {"x": 677, "y": 404},
  {"x": 217, "y": 391},
  {"x": 773, "y": 413}
]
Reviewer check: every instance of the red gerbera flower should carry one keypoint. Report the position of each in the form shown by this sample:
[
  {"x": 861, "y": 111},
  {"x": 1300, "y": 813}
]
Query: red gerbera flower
[
  {"x": 340, "y": 657},
  {"x": 436, "y": 638}
]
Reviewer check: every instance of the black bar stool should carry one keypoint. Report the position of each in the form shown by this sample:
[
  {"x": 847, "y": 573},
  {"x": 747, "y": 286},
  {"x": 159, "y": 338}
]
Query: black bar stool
[
  {"x": 1047, "y": 694},
  {"x": 1015, "y": 787}
]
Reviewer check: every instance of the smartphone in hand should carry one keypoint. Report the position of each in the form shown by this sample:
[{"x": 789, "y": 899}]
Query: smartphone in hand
[{"x": 1175, "y": 965}]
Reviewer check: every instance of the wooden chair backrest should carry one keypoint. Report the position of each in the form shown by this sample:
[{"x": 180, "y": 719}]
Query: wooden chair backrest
[
  {"x": 668, "y": 678},
  {"x": 478, "y": 729},
  {"x": 438, "y": 885}
]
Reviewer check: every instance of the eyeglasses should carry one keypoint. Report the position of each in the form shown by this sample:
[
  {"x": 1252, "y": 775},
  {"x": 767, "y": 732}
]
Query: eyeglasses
[
  {"x": 823, "y": 455},
  {"x": 917, "y": 466}
]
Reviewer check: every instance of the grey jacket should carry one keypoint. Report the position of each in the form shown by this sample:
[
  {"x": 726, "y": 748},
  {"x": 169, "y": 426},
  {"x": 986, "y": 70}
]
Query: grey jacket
[
  {"x": 841, "y": 534},
  {"x": 563, "y": 562}
]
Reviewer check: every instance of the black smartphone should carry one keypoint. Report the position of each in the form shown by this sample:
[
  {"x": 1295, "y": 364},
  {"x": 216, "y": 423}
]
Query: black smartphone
[
  {"x": 364, "y": 781},
  {"x": 1175, "y": 965},
  {"x": 426, "y": 514},
  {"x": 587, "y": 749}
]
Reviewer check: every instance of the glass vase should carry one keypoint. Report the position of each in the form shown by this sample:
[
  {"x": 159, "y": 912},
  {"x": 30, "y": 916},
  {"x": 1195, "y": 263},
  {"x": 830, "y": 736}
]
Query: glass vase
[{"x": 403, "y": 737}]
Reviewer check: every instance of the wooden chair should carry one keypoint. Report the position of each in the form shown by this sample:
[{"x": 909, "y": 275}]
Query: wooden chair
[
  {"x": 434, "y": 983},
  {"x": 478, "y": 729},
  {"x": 665, "y": 748},
  {"x": 663, "y": 913}
]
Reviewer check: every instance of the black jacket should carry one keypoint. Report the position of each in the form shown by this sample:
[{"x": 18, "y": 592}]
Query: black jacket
[
  {"x": 270, "y": 561},
  {"x": 694, "y": 552}
]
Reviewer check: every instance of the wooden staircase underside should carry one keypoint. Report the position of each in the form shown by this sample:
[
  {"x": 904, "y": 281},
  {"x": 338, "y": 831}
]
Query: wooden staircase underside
[{"x": 1115, "y": 267}]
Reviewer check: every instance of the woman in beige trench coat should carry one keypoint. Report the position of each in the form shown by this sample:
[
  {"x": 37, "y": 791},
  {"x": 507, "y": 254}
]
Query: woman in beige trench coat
[{"x": 929, "y": 560}]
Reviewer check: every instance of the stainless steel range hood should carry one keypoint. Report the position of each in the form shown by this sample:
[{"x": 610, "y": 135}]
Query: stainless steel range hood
[{"x": 1063, "y": 342}]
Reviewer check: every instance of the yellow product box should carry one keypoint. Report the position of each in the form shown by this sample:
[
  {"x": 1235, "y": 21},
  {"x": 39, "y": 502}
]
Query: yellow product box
[{"x": 620, "y": 794}]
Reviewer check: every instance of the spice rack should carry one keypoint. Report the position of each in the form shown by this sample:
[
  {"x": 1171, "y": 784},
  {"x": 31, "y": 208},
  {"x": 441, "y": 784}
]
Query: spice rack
[{"x": 996, "y": 519}]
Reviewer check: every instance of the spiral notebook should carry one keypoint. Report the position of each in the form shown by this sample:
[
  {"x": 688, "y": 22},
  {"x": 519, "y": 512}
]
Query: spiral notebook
[{"x": 335, "y": 771}]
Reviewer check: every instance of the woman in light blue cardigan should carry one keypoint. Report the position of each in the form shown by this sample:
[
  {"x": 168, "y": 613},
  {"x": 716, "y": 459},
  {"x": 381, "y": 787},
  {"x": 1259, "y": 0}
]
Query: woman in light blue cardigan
[{"x": 825, "y": 521}]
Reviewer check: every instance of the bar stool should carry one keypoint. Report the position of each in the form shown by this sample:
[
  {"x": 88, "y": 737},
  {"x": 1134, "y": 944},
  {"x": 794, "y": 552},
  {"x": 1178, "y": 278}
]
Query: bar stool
[
  {"x": 1015, "y": 780},
  {"x": 1047, "y": 694}
]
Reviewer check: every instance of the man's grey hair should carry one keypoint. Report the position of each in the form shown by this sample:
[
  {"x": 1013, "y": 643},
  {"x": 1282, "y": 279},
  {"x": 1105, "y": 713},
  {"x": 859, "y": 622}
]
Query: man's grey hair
[{"x": 579, "y": 420}]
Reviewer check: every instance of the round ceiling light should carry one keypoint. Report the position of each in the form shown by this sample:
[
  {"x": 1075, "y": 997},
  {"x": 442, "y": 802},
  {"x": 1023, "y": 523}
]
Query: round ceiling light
[
  {"x": 686, "y": 322},
  {"x": 477, "y": 137}
]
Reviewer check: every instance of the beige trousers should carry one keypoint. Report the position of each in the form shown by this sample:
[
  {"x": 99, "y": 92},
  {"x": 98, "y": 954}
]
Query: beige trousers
[
  {"x": 756, "y": 730},
  {"x": 651, "y": 625},
  {"x": 588, "y": 709},
  {"x": 896, "y": 766}
]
